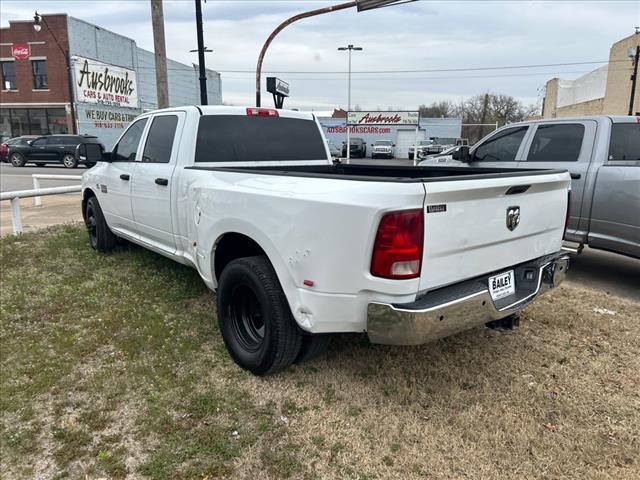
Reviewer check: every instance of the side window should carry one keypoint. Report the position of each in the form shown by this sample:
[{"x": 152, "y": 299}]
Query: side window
[
  {"x": 40, "y": 142},
  {"x": 625, "y": 142},
  {"x": 556, "y": 143},
  {"x": 127, "y": 147},
  {"x": 160, "y": 139},
  {"x": 502, "y": 147}
]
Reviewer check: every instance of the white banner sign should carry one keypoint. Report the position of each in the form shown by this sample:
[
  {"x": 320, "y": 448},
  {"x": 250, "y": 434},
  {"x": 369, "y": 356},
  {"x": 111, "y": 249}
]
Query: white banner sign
[
  {"x": 110, "y": 85},
  {"x": 384, "y": 118}
]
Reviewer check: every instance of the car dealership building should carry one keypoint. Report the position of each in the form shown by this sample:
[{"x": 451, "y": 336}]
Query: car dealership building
[
  {"x": 399, "y": 132},
  {"x": 108, "y": 82}
]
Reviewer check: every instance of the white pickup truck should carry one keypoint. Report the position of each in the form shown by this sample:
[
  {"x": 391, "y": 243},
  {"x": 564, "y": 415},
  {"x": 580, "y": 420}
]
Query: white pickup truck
[{"x": 298, "y": 248}]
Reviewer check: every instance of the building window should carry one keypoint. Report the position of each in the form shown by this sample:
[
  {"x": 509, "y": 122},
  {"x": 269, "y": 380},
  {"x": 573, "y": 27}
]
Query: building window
[
  {"x": 8, "y": 76},
  {"x": 39, "y": 69},
  {"x": 32, "y": 121}
]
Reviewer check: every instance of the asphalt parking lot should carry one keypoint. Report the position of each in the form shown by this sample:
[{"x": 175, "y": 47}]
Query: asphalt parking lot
[{"x": 13, "y": 178}]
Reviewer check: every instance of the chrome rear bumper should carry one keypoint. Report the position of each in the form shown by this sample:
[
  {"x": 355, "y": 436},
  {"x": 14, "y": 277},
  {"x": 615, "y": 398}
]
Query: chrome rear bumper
[{"x": 452, "y": 309}]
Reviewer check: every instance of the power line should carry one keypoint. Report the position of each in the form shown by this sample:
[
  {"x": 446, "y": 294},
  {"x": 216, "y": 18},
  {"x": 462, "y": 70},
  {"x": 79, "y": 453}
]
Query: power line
[
  {"x": 435, "y": 70},
  {"x": 372, "y": 72}
]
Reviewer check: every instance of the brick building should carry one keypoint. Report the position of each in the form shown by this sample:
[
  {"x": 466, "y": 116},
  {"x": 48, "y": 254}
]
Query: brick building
[
  {"x": 35, "y": 95},
  {"x": 98, "y": 88},
  {"x": 606, "y": 90}
]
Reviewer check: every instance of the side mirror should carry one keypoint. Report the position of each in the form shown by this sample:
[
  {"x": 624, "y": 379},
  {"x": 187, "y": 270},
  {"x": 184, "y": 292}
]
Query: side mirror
[
  {"x": 462, "y": 154},
  {"x": 92, "y": 153},
  {"x": 30, "y": 142},
  {"x": 393, "y": 144}
]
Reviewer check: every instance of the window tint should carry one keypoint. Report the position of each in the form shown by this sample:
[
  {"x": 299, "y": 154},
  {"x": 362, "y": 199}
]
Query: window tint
[
  {"x": 556, "y": 143},
  {"x": 239, "y": 138},
  {"x": 127, "y": 147},
  {"x": 160, "y": 139},
  {"x": 39, "y": 70},
  {"x": 40, "y": 142},
  {"x": 502, "y": 147},
  {"x": 625, "y": 141},
  {"x": 8, "y": 75}
]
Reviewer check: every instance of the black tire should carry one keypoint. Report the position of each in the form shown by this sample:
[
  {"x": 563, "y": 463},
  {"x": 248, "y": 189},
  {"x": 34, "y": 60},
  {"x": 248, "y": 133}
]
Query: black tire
[
  {"x": 254, "y": 317},
  {"x": 313, "y": 346},
  {"x": 69, "y": 160},
  {"x": 17, "y": 159},
  {"x": 101, "y": 237}
]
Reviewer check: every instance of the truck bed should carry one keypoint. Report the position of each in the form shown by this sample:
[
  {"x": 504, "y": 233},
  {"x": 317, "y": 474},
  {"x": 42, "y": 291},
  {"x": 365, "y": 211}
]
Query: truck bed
[{"x": 384, "y": 173}]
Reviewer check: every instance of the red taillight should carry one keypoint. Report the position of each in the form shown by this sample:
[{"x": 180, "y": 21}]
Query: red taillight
[
  {"x": 566, "y": 219},
  {"x": 261, "y": 112},
  {"x": 397, "y": 252}
]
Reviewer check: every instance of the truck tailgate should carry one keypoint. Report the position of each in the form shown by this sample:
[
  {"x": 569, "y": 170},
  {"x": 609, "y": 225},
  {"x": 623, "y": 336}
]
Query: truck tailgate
[{"x": 466, "y": 231}]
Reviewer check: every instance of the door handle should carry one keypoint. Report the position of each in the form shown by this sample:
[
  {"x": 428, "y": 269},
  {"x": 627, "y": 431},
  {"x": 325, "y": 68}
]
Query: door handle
[
  {"x": 575, "y": 176},
  {"x": 124, "y": 176},
  {"x": 162, "y": 181}
]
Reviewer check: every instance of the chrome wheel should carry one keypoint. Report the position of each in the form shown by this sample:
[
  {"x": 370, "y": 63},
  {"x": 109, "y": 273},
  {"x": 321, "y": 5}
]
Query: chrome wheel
[{"x": 69, "y": 161}]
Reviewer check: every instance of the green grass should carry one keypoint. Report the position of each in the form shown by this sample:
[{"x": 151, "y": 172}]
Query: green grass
[
  {"x": 112, "y": 366},
  {"x": 87, "y": 338}
]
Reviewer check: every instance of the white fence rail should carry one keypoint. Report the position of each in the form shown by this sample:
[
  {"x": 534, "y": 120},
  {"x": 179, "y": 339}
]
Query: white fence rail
[
  {"x": 42, "y": 176},
  {"x": 37, "y": 192}
]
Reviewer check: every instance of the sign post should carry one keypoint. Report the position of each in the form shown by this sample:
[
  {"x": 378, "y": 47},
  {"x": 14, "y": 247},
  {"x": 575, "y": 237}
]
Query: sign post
[{"x": 279, "y": 89}]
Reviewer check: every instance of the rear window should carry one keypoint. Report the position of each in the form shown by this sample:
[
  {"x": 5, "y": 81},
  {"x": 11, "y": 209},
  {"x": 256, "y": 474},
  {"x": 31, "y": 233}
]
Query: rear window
[
  {"x": 625, "y": 141},
  {"x": 239, "y": 138},
  {"x": 557, "y": 143}
]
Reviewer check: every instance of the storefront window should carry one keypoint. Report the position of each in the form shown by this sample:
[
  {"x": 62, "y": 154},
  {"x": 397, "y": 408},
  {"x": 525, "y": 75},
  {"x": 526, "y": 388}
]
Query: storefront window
[
  {"x": 5, "y": 125},
  {"x": 57, "y": 122},
  {"x": 19, "y": 122},
  {"x": 32, "y": 121},
  {"x": 39, "y": 69},
  {"x": 38, "y": 120}
]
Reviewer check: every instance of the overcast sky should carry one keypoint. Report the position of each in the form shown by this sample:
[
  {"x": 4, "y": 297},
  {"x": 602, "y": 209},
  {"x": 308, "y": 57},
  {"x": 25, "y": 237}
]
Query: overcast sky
[{"x": 425, "y": 35}]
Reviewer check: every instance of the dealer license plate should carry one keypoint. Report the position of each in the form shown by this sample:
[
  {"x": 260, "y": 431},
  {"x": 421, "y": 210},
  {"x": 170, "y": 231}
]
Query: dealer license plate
[{"x": 502, "y": 285}]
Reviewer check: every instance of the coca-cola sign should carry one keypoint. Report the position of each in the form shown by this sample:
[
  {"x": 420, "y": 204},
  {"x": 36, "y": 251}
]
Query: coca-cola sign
[
  {"x": 384, "y": 118},
  {"x": 21, "y": 51}
]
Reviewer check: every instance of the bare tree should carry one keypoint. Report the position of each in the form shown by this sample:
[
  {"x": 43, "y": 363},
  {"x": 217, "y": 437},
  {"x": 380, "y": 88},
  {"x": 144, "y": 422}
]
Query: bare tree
[{"x": 437, "y": 109}]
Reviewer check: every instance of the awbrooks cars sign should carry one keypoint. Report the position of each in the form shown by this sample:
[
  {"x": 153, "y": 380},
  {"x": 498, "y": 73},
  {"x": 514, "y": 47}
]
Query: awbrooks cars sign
[
  {"x": 101, "y": 83},
  {"x": 384, "y": 118}
]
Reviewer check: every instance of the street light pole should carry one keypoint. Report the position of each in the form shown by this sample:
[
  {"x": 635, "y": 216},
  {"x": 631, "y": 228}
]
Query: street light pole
[
  {"x": 201, "y": 49},
  {"x": 361, "y": 5},
  {"x": 634, "y": 79},
  {"x": 350, "y": 48}
]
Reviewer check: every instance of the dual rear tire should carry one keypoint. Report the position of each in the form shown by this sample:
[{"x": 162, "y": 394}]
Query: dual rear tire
[{"x": 256, "y": 323}]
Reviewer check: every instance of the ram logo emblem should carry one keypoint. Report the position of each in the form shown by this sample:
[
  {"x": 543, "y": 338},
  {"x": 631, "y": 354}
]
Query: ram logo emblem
[{"x": 513, "y": 217}]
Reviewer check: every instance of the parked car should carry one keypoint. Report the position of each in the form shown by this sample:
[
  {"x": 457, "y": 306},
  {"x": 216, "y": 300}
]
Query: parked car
[
  {"x": 51, "y": 149},
  {"x": 334, "y": 150},
  {"x": 241, "y": 195},
  {"x": 601, "y": 152},
  {"x": 422, "y": 148},
  {"x": 438, "y": 158},
  {"x": 4, "y": 146},
  {"x": 382, "y": 149},
  {"x": 358, "y": 148}
]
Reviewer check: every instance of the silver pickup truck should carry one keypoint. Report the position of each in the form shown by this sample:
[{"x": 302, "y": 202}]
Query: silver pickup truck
[{"x": 601, "y": 152}]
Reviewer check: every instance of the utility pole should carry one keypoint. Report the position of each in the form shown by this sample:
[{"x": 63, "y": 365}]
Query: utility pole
[
  {"x": 203, "y": 72},
  {"x": 160, "y": 50},
  {"x": 485, "y": 107},
  {"x": 634, "y": 79}
]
